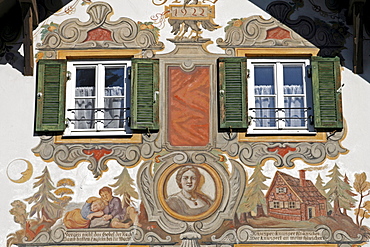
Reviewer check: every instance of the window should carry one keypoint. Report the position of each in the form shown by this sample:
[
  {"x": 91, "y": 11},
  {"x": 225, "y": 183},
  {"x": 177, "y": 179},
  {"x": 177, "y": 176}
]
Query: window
[
  {"x": 285, "y": 95},
  {"x": 276, "y": 205},
  {"x": 292, "y": 205},
  {"x": 279, "y": 96},
  {"x": 98, "y": 98},
  {"x": 280, "y": 190}
]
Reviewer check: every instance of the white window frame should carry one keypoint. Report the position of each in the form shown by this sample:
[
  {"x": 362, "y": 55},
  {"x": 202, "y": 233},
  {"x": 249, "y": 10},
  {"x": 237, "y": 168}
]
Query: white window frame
[
  {"x": 278, "y": 80},
  {"x": 99, "y": 129}
]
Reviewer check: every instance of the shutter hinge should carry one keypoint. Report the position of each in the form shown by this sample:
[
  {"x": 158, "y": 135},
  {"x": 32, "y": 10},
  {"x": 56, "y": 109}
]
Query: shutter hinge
[
  {"x": 69, "y": 75},
  {"x": 248, "y": 73}
]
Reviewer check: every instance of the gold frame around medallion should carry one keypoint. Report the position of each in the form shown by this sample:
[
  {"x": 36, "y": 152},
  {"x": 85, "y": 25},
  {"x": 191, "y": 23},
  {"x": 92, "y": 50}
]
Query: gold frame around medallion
[{"x": 162, "y": 194}]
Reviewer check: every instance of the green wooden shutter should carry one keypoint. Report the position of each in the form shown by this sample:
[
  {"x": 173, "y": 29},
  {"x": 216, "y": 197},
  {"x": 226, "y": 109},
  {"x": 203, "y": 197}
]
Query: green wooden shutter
[
  {"x": 233, "y": 93},
  {"x": 144, "y": 94},
  {"x": 51, "y": 82},
  {"x": 327, "y": 99}
]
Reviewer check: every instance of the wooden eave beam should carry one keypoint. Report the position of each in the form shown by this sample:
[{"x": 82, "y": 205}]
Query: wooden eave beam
[
  {"x": 30, "y": 21},
  {"x": 355, "y": 12}
]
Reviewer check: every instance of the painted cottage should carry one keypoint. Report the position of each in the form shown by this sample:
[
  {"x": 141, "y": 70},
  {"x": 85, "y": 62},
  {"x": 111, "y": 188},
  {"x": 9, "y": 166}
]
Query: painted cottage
[{"x": 291, "y": 198}]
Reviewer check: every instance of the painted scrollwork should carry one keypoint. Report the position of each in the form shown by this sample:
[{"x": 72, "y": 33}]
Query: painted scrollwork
[
  {"x": 123, "y": 33},
  {"x": 255, "y": 31},
  {"x": 70, "y": 155},
  {"x": 253, "y": 153}
]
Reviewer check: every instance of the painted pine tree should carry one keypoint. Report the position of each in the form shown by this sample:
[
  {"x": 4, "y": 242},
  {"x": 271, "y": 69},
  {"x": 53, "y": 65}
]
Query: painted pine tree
[
  {"x": 254, "y": 192},
  {"x": 320, "y": 186},
  {"x": 352, "y": 201},
  {"x": 125, "y": 187},
  {"x": 242, "y": 209},
  {"x": 338, "y": 191},
  {"x": 45, "y": 202}
]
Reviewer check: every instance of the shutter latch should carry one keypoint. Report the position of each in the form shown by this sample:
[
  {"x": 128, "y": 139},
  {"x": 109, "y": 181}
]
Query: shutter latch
[
  {"x": 39, "y": 95},
  {"x": 155, "y": 96},
  {"x": 339, "y": 90}
]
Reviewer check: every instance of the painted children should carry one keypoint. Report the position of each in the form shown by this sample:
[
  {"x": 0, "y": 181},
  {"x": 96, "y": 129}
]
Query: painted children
[
  {"x": 82, "y": 218},
  {"x": 118, "y": 215}
]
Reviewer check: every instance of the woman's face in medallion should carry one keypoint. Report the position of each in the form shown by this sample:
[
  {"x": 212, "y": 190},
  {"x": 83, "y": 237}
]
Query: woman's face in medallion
[{"x": 188, "y": 181}]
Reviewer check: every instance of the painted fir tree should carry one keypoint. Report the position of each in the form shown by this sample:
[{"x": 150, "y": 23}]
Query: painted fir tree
[
  {"x": 352, "y": 201},
  {"x": 254, "y": 192},
  {"x": 242, "y": 209},
  {"x": 45, "y": 202},
  {"x": 338, "y": 191},
  {"x": 125, "y": 187},
  {"x": 320, "y": 186}
]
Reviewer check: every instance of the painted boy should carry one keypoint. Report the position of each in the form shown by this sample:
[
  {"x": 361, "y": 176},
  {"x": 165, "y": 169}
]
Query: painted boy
[{"x": 120, "y": 217}]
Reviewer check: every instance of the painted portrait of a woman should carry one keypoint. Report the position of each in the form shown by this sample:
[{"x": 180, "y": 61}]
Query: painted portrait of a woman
[{"x": 189, "y": 201}]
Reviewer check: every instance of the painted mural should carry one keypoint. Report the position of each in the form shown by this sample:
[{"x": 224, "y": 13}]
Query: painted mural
[{"x": 187, "y": 182}]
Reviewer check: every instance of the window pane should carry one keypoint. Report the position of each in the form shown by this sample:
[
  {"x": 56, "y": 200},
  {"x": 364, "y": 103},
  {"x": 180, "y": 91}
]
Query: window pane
[
  {"x": 85, "y": 101},
  {"x": 294, "y": 117},
  {"x": 265, "y": 117},
  {"x": 114, "y": 114},
  {"x": 114, "y": 103},
  {"x": 84, "y": 114},
  {"x": 114, "y": 81},
  {"x": 264, "y": 80},
  {"x": 293, "y": 79},
  {"x": 85, "y": 82}
]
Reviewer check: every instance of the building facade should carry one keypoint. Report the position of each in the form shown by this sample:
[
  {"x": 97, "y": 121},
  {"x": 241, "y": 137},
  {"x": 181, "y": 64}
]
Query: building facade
[{"x": 162, "y": 123}]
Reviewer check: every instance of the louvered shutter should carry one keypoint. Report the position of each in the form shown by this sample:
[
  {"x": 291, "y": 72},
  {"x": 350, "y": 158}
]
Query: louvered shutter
[
  {"x": 144, "y": 94},
  {"x": 297, "y": 204},
  {"x": 286, "y": 204},
  {"x": 233, "y": 93},
  {"x": 51, "y": 83},
  {"x": 271, "y": 204},
  {"x": 326, "y": 94}
]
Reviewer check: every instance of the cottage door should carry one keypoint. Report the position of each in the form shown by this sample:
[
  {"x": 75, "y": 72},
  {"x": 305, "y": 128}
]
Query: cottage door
[{"x": 311, "y": 212}]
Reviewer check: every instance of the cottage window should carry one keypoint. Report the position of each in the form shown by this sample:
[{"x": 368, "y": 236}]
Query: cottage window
[
  {"x": 276, "y": 204},
  {"x": 292, "y": 205},
  {"x": 281, "y": 190},
  {"x": 285, "y": 96},
  {"x": 97, "y": 97}
]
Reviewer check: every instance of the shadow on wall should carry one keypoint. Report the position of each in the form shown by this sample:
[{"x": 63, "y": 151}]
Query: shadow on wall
[
  {"x": 11, "y": 29},
  {"x": 332, "y": 32}
]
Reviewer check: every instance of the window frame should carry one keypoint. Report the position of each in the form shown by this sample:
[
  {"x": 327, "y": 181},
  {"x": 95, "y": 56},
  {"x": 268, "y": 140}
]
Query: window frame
[
  {"x": 100, "y": 66},
  {"x": 277, "y": 63}
]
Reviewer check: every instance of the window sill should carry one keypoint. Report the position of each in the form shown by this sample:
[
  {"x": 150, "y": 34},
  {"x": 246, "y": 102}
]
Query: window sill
[
  {"x": 282, "y": 137},
  {"x": 113, "y": 139}
]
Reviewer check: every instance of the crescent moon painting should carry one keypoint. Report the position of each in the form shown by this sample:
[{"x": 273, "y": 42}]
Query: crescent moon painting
[{"x": 13, "y": 171}]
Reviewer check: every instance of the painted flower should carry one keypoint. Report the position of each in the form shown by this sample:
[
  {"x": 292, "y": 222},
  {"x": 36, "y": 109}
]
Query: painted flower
[
  {"x": 48, "y": 28},
  {"x": 85, "y": 2},
  {"x": 237, "y": 23}
]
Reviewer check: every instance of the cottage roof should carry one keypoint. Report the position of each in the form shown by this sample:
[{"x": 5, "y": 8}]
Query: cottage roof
[{"x": 306, "y": 193}]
